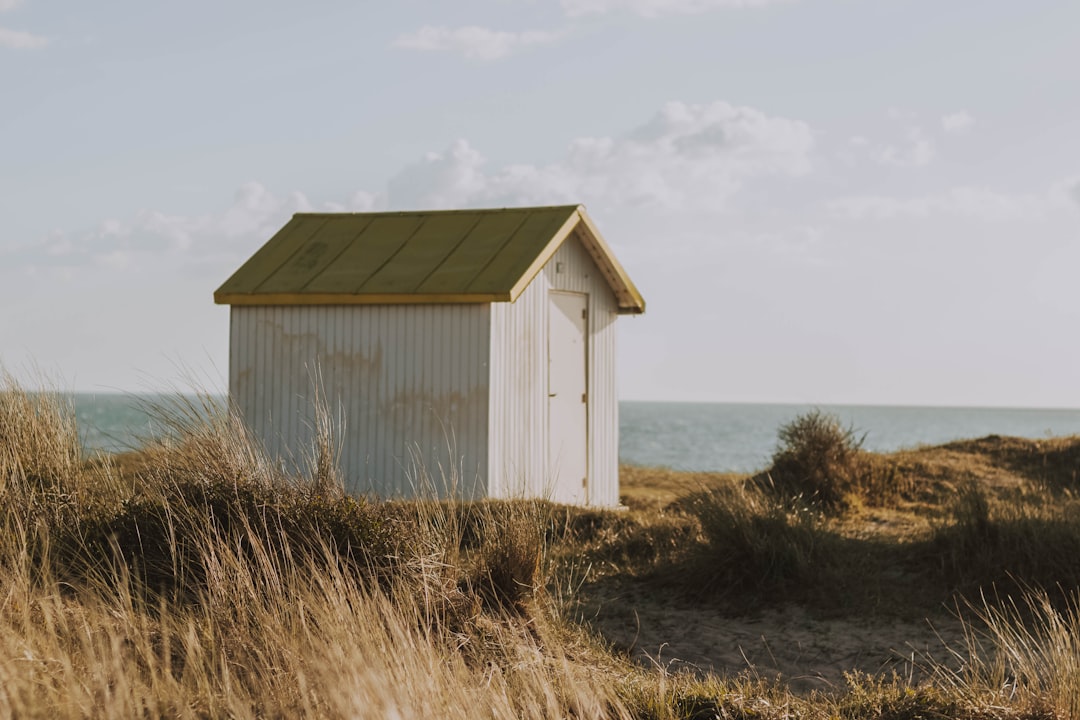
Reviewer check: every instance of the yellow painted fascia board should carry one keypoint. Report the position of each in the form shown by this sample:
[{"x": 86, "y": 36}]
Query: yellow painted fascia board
[
  {"x": 355, "y": 298},
  {"x": 608, "y": 258},
  {"x": 542, "y": 258}
]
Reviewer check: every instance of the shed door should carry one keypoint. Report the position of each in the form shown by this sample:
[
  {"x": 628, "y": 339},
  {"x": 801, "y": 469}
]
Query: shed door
[{"x": 567, "y": 397}]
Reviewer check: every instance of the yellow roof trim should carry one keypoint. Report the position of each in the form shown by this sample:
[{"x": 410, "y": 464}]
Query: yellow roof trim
[
  {"x": 542, "y": 259},
  {"x": 353, "y": 298},
  {"x": 630, "y": 299}
]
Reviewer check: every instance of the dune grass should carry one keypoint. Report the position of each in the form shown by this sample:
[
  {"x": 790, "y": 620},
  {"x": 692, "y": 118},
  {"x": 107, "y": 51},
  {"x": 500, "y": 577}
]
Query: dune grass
[{"x": 196, "y": 580}]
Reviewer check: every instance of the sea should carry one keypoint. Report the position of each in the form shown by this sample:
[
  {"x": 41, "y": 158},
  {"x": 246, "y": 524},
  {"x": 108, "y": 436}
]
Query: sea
[{"x": 711, "y": 437}]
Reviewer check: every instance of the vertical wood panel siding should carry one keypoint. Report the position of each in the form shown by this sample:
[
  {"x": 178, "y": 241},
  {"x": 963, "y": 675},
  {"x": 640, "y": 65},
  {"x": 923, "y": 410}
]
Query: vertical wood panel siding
[
  {"x": 409, "y": 383},
  {"x": 519, "y": 408}
]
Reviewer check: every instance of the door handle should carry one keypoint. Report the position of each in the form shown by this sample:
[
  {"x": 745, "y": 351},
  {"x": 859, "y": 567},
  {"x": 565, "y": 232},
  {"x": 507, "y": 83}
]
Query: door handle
[{"x": 551, "y": 395}]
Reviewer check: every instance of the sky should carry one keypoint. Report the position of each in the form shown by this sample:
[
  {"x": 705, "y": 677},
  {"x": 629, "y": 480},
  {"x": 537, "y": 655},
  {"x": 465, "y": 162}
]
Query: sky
[{"x": 822, "y": 201}]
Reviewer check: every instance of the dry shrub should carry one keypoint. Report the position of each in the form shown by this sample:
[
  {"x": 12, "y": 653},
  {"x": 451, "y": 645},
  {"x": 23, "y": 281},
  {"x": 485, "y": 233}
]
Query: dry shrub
[
  {"x": 820, "y": 461},
  {"x": 815, "y": 459}
]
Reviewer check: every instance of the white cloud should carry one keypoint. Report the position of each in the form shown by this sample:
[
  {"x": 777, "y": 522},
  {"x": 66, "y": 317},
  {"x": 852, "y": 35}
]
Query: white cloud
[
  {"x": 686, "y": 156},
  {"x": 969, "y": 202},
  {"x": 918, "y": 151},
  {"x": 653, "y": 8},
  {"x": 1067, "y": 191},
  {"x": 481, "y": 43},
  {"x": 19, "y": 40},
  {"x": 957, "y": 122},
  {"x": 154, "y": 239},
  {"x": 474, "y": 42},
  {"x": 442, "y": 180}
]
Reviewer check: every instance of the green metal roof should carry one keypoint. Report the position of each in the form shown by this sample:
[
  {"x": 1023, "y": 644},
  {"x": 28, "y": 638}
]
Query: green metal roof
[{"x": 416, "y": 257}]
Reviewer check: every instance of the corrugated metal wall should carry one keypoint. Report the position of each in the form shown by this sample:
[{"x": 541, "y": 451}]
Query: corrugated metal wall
[
  {"x": 409, "y": 382},
  {"x": 519, "y": 420}
]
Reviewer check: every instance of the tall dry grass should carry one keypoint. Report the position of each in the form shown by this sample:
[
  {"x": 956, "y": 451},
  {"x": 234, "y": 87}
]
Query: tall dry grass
[
  {"x": 755, "y": 547},
  {"x": 1021, "y": 652},
  {"x": 208, "y": 583},
  {"x": 1027, "y": 539}
]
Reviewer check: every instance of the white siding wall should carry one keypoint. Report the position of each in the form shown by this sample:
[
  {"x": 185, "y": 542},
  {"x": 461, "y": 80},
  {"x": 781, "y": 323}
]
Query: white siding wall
[
  {"x": 518, "y": 419},
  {"x": 408, "y": 381}
]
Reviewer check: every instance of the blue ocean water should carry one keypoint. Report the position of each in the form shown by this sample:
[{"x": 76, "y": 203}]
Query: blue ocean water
[
  {"x": 742, "y": 438},
  {"x": 683, "y": 436}
]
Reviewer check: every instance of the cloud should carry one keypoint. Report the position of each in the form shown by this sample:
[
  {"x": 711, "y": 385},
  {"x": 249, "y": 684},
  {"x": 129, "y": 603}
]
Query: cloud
[
  {"x": 19, "y": 40},
  {"x": 481, "y": 43},
  {"x": 653, "y": 8},
  {"x": 917, "y": 152},
  {"x": 474, "y": 42},
  {"x": 686, "y": 156},
  {"x": 1067, "y": 191},
  {"x": 968, "y": 202},
  {"x": 157, "y": 240},
  {"x": 957, "y": 122}
]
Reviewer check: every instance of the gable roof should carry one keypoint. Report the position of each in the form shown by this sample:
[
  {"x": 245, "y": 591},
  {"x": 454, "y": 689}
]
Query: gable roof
[{"x": 446, "y": 256}]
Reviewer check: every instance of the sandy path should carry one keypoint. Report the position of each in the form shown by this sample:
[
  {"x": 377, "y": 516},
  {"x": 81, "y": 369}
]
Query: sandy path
[{"x": 806, "y": 652}]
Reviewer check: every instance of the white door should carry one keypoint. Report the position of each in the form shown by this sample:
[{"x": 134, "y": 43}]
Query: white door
[{"x": 568, "y": 440}]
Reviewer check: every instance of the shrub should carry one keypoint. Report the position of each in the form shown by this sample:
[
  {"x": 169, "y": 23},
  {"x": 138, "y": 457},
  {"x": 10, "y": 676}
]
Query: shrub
[{"x": 817, "y": 458}]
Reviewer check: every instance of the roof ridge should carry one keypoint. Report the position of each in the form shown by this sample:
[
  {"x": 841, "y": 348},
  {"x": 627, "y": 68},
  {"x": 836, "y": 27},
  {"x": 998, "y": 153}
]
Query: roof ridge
[{"x": 442, "y": 211}]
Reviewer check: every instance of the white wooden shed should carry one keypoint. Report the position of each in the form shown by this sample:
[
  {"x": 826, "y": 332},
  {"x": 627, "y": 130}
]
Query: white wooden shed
[{"x": 469, "y": 353}]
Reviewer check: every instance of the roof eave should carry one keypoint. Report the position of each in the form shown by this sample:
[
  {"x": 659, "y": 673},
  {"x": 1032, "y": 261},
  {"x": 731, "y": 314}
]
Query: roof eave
[
  {"x": 629, "y": 298},
  {"x": 254, "y": 299}
]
